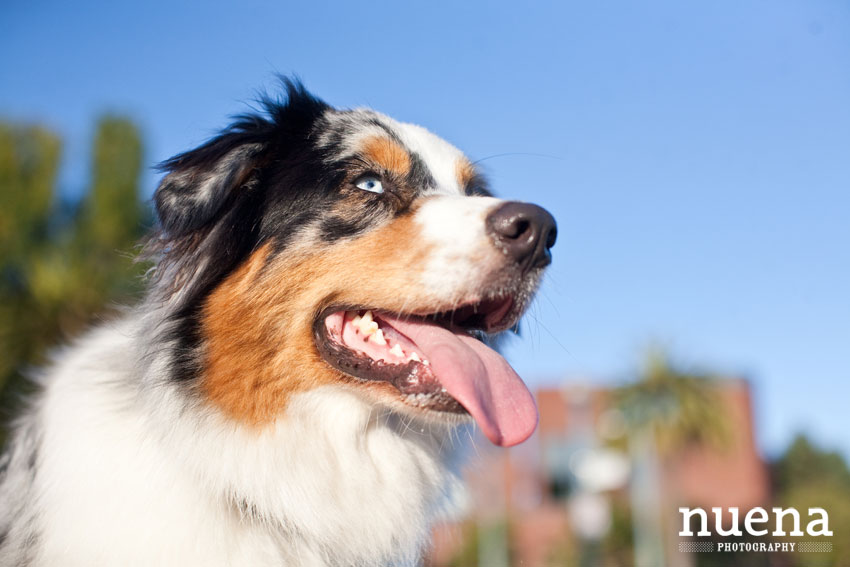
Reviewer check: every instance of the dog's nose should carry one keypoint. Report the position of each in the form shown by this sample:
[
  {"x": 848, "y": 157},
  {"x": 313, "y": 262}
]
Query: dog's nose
[{"x": 525, "y": 232}]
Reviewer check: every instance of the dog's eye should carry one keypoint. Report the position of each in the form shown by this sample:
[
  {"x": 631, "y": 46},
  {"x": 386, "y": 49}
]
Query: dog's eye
[{"x": 369, "y": 183}]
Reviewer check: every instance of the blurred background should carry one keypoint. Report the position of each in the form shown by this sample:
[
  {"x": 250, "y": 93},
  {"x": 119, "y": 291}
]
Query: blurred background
[{"x": 688, "y": 347}]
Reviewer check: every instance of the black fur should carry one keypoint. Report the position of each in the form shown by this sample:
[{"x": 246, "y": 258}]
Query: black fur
[
  {"x": 335, "y": 227},
  {"x": 252, "y": 198},
  {"x": 263, "y": 179},
  {"x": 419, "y": 175}
]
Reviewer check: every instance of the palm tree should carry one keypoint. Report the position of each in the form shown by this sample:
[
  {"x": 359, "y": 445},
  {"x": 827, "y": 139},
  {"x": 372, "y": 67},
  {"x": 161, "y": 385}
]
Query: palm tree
[
  {"x": 665, "y": 410},
  {"x": 680, "y": 408}
]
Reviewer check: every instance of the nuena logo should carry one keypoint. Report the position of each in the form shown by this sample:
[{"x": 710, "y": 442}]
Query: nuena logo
[{"x": 817, "y": 523}]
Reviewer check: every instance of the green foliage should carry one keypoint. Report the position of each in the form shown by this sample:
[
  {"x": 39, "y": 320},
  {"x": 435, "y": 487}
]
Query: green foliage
[
  {"x": 480, "y": 540},
  {"x": 804, "y": 477},
  {"x": 112, "y": 212},
  {"x": 467, "y": 555},
  {"x": 808, "y": 477},
  {"x": 804, "y": 464},
  {"x": 29, "y": 160},
  {"x": 682, "y": 408},
  {"x": 59, "y": 270},
  {"x": 618, "y": 545}
]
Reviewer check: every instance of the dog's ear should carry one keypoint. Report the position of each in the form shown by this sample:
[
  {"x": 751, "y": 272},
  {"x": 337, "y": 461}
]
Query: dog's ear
[
  {"x": 201, "y": 181},
  {"x": 210, "y": 202}
]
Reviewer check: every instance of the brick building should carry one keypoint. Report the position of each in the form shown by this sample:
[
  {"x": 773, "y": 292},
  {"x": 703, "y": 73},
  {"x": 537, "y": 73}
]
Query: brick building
[{"x": 532, "y": 484}]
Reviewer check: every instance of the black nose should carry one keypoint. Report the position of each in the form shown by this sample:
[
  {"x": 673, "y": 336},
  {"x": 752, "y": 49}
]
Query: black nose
[{"x": 525, "y": 232}]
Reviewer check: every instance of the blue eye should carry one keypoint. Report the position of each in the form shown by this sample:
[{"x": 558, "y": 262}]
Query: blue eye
[{"x": 369, "y": 183}]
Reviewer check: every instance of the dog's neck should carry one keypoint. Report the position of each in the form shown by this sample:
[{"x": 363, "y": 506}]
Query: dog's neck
[{"x": 334, "y": 479}]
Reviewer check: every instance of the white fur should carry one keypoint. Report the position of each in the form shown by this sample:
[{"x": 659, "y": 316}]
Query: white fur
[
  {"x": 131, "y": 471},
  {"x": 440, "y": 156},
  {"x": 119, "y": 464},
  {"x": 462, "y": 253}
]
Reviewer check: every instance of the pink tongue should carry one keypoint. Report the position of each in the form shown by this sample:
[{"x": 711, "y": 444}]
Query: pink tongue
[{"x": 478, "y": 378}]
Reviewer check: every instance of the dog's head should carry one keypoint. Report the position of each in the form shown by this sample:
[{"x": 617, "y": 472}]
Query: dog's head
[{"x": 308, "y": 246}]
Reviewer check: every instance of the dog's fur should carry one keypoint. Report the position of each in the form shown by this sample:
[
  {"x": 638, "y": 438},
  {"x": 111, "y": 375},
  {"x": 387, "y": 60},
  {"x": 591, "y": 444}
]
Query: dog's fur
[{"x": 204, "y": 427}]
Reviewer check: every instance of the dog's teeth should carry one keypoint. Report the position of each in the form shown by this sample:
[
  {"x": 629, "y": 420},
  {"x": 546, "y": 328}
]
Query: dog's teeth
[
  {"x": 414, "y": 357},
  {"x": 426, "y": 363},
  {"x": 396, "y": 350},
  {"x": 377, "y": 337},
  {"x": 365, "y": 324}
]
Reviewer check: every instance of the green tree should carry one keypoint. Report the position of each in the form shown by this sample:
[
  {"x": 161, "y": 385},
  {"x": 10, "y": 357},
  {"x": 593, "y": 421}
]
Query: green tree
[
  {"x": 809, "y": 477},
  {"x": 665, "y": 410},
  {"x": 29, "y": 161},
  {"x": 60, "y": 266},
  {"x": 679, "y": 407}
]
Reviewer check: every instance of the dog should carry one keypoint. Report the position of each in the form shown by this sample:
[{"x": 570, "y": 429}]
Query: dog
[{"x": 316, "y": 326}]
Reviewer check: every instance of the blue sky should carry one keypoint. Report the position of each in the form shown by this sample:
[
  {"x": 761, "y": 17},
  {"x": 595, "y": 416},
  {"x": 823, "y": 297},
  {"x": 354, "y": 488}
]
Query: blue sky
[{"x": 695, "y": 154}]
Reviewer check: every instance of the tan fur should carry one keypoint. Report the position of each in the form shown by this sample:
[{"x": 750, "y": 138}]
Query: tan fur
[
  {"x": 387, "y": 154},
  {"x": 258, "y": 322},
  {"x": 465, "y": 172}
]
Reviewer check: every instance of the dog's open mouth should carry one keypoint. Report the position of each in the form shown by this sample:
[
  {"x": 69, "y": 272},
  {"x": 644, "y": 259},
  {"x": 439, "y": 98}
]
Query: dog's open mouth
[{"x": 435, "y": 362}]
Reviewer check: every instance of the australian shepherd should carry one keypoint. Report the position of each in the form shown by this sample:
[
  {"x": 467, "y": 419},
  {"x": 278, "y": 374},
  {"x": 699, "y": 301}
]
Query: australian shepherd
[{"x": 326, "y": 285}]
